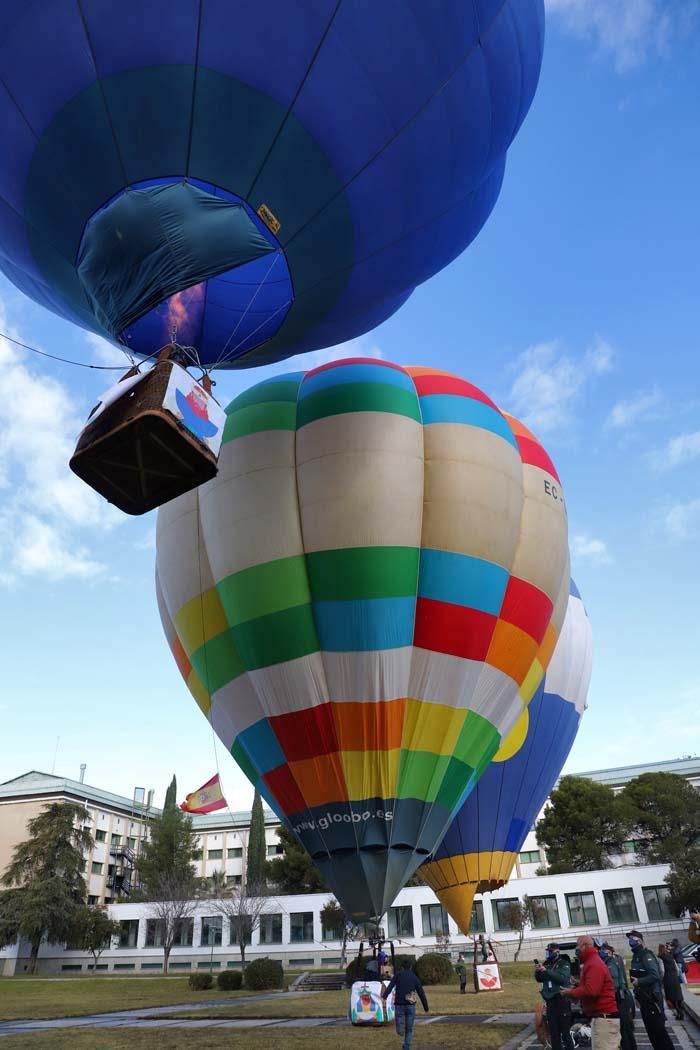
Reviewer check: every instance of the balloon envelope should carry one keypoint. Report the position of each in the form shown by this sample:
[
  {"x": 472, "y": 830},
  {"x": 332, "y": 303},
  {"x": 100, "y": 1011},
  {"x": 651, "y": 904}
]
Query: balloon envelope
[
  {"x": 358, "y": 602},
  {"x": 141, "y": 139},
  {"x": 480, "y": 849}
]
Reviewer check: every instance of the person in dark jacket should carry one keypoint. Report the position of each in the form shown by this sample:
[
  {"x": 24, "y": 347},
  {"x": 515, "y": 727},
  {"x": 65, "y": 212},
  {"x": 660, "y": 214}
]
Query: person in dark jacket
[
  {"x": 679, "y": 959},
  {"x": 647, "y": 991},
  {"x": 407, "y": 988},
  {"x": 625, "y": 1000},
  {"x": 554, "y": 975},
  {"x": 672, "y": 981}
]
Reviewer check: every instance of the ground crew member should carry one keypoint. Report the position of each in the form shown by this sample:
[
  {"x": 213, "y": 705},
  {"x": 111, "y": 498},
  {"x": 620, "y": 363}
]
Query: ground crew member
[
  {"x": 644, "y": 972},
  {"x": 554, "y": 975},
  {"x": 625, "y": 1001}
]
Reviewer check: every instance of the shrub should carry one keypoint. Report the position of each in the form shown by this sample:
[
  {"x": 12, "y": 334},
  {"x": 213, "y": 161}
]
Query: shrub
[
  {"x": 433, "y": 968},
  {"x": 264, "y": 973},
  {"x": 229, "y": 980},
  {"x": 356, "y": 970},
  {"x": 400, "y": 961},
  {"x": 201, "y": 981}
]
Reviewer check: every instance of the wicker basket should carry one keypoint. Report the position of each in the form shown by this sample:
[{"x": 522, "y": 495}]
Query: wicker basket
[{"x": 137, "y": 454}]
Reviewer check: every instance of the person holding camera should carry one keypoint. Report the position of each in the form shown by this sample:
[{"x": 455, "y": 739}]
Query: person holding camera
[
  {"x": 554, "y": 975},
  {"x": 646, "y": 982}
]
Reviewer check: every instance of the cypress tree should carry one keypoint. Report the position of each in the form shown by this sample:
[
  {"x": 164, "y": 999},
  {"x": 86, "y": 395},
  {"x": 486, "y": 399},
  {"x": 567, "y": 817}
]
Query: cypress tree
[
  {"x": 256, "y": 871},
  {"x": 171, "y": 796}
]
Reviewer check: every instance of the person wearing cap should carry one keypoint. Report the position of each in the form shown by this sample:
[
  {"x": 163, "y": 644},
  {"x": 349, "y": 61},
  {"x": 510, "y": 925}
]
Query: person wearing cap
[
  {"x": 625, "y": 1000},
  {"x": 597, "y": 995},
  {"x": 647, "y": 991},
  {"x": 554, "y": 975}
]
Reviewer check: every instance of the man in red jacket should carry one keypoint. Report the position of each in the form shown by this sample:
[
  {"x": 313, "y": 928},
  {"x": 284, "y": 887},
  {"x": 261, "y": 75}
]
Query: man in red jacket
[{"x": 597, "y": 994}]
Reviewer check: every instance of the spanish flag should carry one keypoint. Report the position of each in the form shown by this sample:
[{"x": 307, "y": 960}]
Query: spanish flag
[{"x": 205, "y": 799}]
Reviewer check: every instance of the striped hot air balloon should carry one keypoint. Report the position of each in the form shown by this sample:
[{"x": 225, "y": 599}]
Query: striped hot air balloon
[
  {"x": 358, "y": 603},
  {"x": 479, "y": 851}
]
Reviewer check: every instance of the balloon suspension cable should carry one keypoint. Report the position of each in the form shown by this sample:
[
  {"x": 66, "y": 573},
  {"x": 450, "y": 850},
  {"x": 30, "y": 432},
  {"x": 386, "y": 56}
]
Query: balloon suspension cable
[
  {"x": 63, "y": 360},
  {"x": 239, "y": 322}
]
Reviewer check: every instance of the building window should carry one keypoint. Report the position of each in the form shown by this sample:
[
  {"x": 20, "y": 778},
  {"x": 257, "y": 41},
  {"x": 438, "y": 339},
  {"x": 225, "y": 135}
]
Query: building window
[
  {"x": 92, "y": 899},
  {"x": 239, "y": 924},
  {"x": 620, "y": 905},
  {"x": 632, "y": 846},
  {"x": 96, "y": 867},
  {"x": 545, "y": 913},
  {"x": 530, "y": 856},
  {"x": 270, "y": 929},
  {"x": 184, "y": 933},
  {"x": 100, "y": 835},
  {"x": 234, "y": 880},
  {"x": 215, "y": 854},
  {"x": 656, "y": 900},
  {"x": 502, "y": 918},
  {"x": 301, "y": 926},
  {"x": 400, "y": 921},
  {"x": 128, "y": 933},
  {"x": 155, "y": 932},
  {"x": 476, "y": 922},
  {"x": 196, "y": 854},
  {"x": 212, "y": 926},
  {"x": 131, "y": 843},
  {"x": 275, "y": 851},
  {"x": 582, "y": 909},
  {"x": 235, "y": 852},
  {"x": 434, "y": 919},
  {"x": 116, "y": 840}
]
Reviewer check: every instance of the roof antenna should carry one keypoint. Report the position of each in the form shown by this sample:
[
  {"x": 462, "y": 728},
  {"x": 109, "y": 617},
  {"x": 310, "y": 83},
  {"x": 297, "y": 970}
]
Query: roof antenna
[
  {"x": 55, "y": 753},
  {"x": 83, "y": 767}
]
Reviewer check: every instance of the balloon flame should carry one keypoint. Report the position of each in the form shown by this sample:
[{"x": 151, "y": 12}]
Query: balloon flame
[{"x": 177, "y": 317}]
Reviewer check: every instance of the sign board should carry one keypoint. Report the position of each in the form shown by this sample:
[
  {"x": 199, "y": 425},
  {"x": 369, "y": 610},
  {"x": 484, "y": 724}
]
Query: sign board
[
  {"x": 487, "y": 977},
  {"x": 195, "y": 409},
  {"x": 367, "y": 1006}
]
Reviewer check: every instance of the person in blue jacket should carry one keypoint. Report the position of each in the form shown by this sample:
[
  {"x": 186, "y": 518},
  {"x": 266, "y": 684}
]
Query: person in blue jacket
[{"x": 408, "y": 988}]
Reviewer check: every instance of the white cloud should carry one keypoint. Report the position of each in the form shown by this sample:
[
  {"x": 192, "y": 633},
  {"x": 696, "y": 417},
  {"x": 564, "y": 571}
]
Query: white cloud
[
  {"x": 549, "y": 382},
  {"x": 105, "y": 353},
  {"x": 626, "y": 30},
  {"x": 682, "y": 520},
  {"x": 679, "y": 450},
  {"x": 586, "y": 548},
  {"x": 625, "y": 413},
  {"x": 44, "y": 505}
]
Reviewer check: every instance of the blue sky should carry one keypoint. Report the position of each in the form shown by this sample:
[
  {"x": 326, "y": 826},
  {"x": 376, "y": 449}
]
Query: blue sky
[{"x": 576, "y": 309}]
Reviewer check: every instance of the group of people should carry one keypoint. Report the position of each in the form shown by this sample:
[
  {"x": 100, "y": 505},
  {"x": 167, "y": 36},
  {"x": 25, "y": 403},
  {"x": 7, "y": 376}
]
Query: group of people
[{"x": 604, "y": 991}]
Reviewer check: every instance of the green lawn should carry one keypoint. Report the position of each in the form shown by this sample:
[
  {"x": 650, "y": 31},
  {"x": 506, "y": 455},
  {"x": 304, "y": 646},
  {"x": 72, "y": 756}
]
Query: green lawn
[
  {"x": 439, "y": 1037},
  {"x": 37, "y": 998},
  {"x": 516, "y": 997}
]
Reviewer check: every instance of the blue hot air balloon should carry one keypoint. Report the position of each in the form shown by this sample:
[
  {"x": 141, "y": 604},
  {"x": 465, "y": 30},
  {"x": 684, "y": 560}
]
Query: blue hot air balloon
[
  {"x": 258, "y": 178},
  {"x": 481, "y": 846}
]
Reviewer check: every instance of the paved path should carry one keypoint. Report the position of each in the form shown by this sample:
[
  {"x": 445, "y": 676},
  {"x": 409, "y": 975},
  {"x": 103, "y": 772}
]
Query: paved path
[{"x": 159, "y": 1017}]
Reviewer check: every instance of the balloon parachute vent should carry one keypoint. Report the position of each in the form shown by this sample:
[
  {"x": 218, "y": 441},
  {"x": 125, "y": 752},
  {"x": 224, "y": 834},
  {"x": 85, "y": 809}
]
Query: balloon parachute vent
[{"x": 151, "y": 437}]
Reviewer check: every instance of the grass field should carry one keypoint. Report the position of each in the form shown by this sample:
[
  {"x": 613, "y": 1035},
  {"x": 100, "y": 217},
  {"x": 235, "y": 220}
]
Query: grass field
[
  {"x": 444, "y": 1037},
  {"x": 25, "y": 997},
  {"x": 29, "y": 998}
]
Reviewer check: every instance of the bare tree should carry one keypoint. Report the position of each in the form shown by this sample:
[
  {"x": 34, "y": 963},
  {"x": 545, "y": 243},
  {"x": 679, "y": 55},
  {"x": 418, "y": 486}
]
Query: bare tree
[
  {"x": 518, "y": 915},
  {"x": 337, "y": 925},
  {"x": 175, "y": 904},
  {"x": 244, "y": 907}
]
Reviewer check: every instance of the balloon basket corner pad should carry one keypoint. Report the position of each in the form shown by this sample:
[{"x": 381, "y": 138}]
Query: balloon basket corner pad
[{"x": 152, "y": 437}]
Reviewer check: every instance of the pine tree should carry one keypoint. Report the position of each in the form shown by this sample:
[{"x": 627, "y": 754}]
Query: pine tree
[
  {"x": 165, "y": 864},
  {"x": 294, "y": 871},
  {"x": 171, "y": 795},
  {"x": 256, "y": 870},
  {"x": 45, "y": 876}
]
